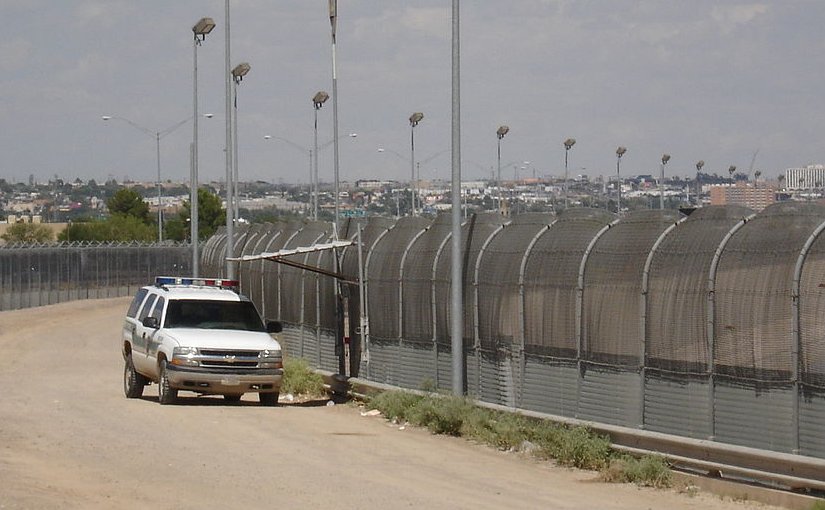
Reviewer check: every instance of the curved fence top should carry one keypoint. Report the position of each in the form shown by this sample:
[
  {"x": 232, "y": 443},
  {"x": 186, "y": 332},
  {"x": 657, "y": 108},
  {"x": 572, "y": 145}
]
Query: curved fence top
[
  {"x": 417, "y": 290},
  {"x": 551, "y": 277},
  {"x": 611, "y": 310},
  {"x": 754, "y": 283},
  {"x": 384, "y": 275},
  {"x": 474, "y": 233},
  {"x": 498, "y": 280},
  {"x": 812, "y": 315},
  {"x": 677, "y": 293}
]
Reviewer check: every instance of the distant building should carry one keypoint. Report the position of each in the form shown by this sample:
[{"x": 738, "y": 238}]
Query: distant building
[
  {"x": 742, "y": 193},
  {"x": 807, "y": 177}
]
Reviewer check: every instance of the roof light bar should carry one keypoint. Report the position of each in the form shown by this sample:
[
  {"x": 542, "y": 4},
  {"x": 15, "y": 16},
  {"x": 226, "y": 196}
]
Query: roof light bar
[{"x": 201, "y": 282}]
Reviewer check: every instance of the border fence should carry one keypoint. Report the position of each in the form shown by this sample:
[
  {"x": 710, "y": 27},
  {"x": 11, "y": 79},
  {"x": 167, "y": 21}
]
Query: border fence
[
  {"x": 708, "y": 326},
  {"x": 53, "y": 273}
]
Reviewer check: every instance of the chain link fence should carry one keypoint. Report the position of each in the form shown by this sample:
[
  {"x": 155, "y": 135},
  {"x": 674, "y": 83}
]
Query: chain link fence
[{"x": 54, "y": 273}]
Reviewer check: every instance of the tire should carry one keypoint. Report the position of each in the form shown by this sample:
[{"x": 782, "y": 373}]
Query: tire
[
  {"x": 166, "y": 395},
  {"x": 268, "y": 399},
  {"x": 232, "y": 398},
  {"x": 133, "y": 382}
]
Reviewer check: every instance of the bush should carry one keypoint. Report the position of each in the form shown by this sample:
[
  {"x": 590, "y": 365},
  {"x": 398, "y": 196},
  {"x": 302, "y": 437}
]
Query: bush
[
  {"x": 577, "y": 447},
  {"x": 299, "y": 379},
  {"x": 648, "y": 471}
]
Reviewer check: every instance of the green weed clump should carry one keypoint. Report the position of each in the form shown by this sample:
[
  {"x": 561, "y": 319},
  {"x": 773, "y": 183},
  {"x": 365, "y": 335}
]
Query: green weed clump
[
  {"x": 577, "y": 447},
  {"x": 648, "y": 471},
  {"x": 300, "y": 379}
]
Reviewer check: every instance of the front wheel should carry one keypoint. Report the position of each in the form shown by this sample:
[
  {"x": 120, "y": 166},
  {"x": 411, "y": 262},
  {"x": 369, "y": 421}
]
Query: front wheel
[
  {"x": 268, "y": 399},
  {"x": 133, "y": 382},
  {"x": 166, "y": 395}
]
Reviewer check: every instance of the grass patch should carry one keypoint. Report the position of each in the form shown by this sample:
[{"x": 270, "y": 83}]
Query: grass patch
[
  {"x": 300, "y": 379},
  {"x": 819, "y": 505},
  {"x": 577, "y": 447}
]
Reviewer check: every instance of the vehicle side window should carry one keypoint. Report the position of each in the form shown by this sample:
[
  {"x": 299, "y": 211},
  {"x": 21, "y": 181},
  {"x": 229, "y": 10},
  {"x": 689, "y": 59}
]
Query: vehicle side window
[
  {"x": 157, "y": 311},
  {"x": 133, "y": 308},
  {"x": 144, "y": 312}
]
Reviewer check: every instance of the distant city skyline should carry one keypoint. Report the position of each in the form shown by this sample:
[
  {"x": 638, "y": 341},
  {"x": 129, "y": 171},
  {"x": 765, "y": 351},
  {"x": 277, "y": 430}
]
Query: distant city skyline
[{"x": 732, "y": 83}]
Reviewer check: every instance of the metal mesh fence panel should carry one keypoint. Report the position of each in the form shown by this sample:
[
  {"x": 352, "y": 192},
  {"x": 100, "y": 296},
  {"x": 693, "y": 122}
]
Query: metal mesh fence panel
[
  {"x": 40, "y": 275},
  {"x": 417, "y": 289},
  {"x": 753, "y": 331},
  {"x": 677, "y": 295},
  {"x": 212, "y": 254},
  {"x": 499, "y": 313},
  {"x": 474, "y": 233},
  {"x": 550, "y": 281},
  {"x": 272, "y": 270},
  {"x": 384, "y": 274},
  {"x": 812, "y": 316},
  {"x": 611, "y": 309},
  {"x": 245, "y": 271},
  {"x": 292, "y": 278}
]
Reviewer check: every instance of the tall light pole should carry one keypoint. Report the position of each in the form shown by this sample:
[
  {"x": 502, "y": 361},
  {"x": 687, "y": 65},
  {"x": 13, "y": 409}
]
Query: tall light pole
[
  {"x": 415, "y": 118},
  {"x": 699, "y": 165},
  {"x": 229, "y": 249},
  {"x": 456, "y": 298},
  {"x": 238, "y": 73},
  {"x": 157, "y": 135},
  {"x": 200, "y": 30},
  {"x": 619, "y": 153},
  {"x": 318, "y": 101},
  {"x": 500, "y": 132},
  {"x": 665, "y": 159},
  {"x": 333, "y": 22},
  {"x": 568, "y": 144}
]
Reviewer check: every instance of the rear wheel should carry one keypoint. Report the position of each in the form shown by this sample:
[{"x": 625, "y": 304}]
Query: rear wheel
[
  {"x": 166, "y": 395},
  {"x": 268, "y": 399},
  {"x": 133, "y": 382}
]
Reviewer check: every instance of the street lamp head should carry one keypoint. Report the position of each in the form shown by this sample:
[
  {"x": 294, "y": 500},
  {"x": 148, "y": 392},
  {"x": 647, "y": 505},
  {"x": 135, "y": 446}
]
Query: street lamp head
[
  {"x": 569, "y": 143},
  {"x": 203, "y": 27},
  {"x": 106, "y": 117},
  {"x": 267, "y": 137},
  {"x": 415, "y": 118},
  {"x": 208, "y": 115},
  {"x": 620, "y": 151},
  {"x": 319, "y": 99},
  {"x": 240, "y": 71},
  {"x": 353, "y": 135},
  {"x": 501, "y": 131},
  {"x": 665, "y": 158},
  {"x": 699, "y": 165}
]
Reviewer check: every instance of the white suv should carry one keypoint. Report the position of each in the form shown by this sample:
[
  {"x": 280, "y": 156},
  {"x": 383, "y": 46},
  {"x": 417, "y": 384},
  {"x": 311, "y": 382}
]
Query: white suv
[{"x": 199, "y": 334}]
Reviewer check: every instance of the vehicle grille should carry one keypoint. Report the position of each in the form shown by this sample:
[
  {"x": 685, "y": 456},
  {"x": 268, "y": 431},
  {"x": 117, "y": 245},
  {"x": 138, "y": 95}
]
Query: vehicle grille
[{"x": 228, "y": 358}]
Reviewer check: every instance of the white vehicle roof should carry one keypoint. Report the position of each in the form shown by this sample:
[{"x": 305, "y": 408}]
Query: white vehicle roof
[{"x": 195, "y": 292}]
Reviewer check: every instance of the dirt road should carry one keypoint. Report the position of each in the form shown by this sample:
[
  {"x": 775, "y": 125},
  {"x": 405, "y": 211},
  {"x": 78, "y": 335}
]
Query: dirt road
[{"x": 70, "y": 439}]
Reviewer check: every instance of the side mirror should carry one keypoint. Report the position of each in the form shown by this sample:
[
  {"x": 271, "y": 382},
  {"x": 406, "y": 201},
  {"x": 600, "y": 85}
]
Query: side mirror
[
  {"x": 151, "y": 322},
  {"x": 274, "y": 327}
]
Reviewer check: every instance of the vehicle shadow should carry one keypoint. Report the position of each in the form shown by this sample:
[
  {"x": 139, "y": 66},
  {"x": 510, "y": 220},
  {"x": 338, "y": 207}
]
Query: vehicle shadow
[{"x": 247, "y": 401}]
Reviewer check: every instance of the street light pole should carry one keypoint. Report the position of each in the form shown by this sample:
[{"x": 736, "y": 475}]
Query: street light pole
[
  {"x": 238, "y": 73},
  {"x": 699, "y": 165},
  {"x": 200, "y": 30},
  {"x": 456, "y": 297},
  {"x": 665, "y": 159},
  {"x": 619, "y": 153},
  {"x": 156, "y": 135},
  {"x": 415, "y": 118},
  {"x": 568, "y": 144},
  {"x": 333, "y": 22},
  {"x": 500, "y": 132},
  {"x": 318, "y": 101}
]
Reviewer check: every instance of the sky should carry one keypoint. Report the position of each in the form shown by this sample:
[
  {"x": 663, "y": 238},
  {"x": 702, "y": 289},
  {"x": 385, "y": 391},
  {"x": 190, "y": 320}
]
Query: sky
[{"x": 714, "y": 80}]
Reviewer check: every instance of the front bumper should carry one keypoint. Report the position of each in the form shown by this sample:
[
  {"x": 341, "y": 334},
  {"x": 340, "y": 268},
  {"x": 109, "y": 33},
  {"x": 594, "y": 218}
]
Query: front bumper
[{"x": 225, "y": 381}]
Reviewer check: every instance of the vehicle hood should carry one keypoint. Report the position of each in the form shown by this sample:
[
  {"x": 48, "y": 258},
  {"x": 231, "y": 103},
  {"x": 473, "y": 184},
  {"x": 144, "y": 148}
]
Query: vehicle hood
[{"x": 222, "y": 339}]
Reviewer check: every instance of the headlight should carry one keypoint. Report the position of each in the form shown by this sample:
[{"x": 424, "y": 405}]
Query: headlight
[
  {"x": 184, "y": 356},
  {"x": 270, "y": 358}
]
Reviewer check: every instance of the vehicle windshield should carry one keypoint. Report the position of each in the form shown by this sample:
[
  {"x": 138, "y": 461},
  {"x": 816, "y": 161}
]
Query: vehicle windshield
[{"x": 209, "y": 314}]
